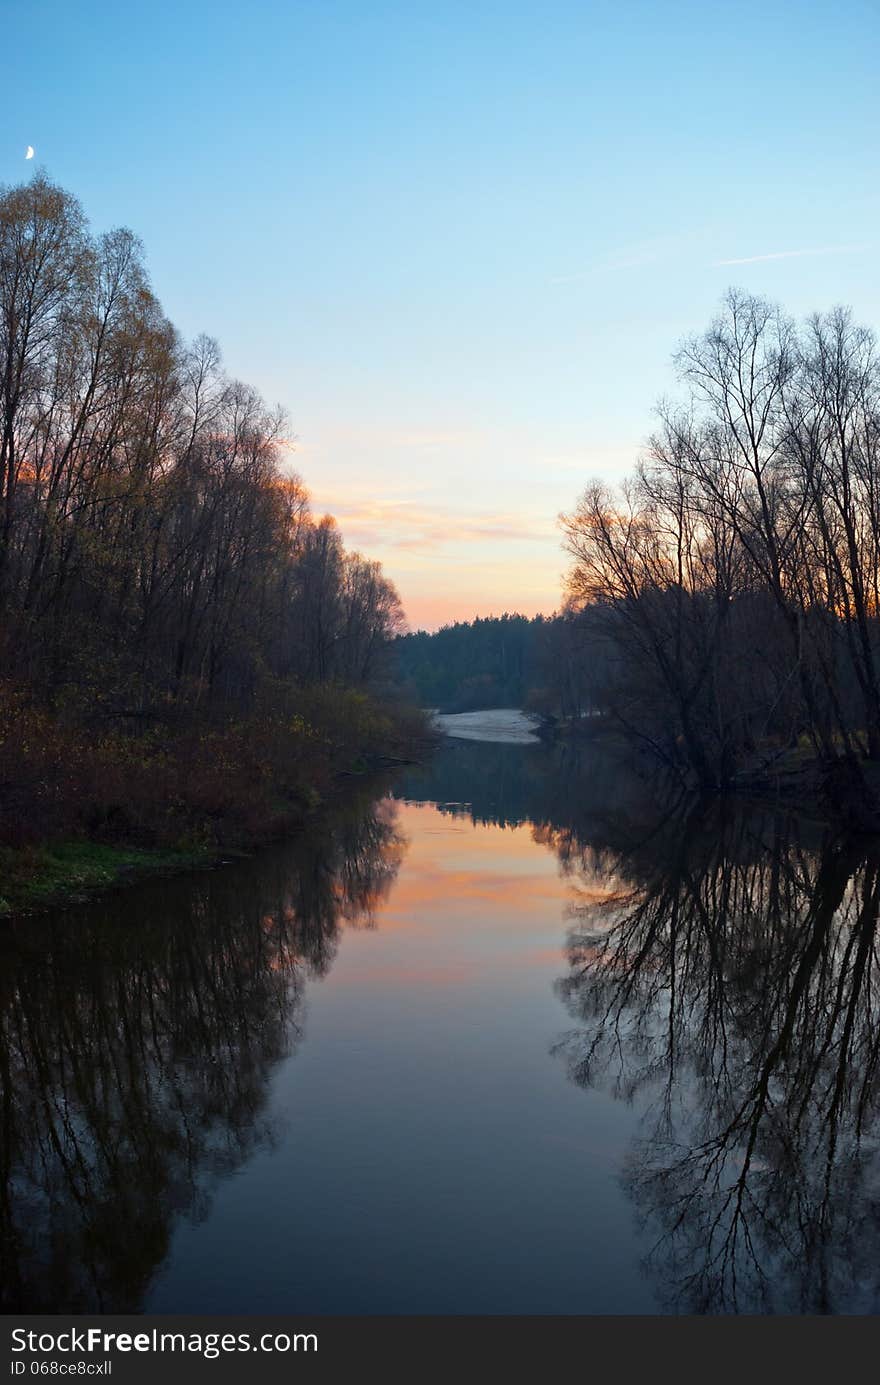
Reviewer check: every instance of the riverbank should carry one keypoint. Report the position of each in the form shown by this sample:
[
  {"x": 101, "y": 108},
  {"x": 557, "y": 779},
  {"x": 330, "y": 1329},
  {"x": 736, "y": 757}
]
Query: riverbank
[
  {"x": 83, "y": 812},
  {"x": 36, "y": 878},
  {"x": 843, "y": 792}
]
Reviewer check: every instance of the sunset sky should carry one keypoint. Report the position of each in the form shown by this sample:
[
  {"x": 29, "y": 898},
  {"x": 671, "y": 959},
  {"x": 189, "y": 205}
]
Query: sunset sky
[{"x": 459, "y": 241}]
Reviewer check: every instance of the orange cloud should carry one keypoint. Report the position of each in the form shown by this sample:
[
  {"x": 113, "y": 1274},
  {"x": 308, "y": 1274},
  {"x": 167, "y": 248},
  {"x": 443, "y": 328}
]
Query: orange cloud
[
  {"x": 404, "y": 524},
  {"x": 451, "y": 564}
]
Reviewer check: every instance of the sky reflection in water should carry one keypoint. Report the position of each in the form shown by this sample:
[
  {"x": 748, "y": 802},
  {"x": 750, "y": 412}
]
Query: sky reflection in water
[{"x": 517, "y": 1039}]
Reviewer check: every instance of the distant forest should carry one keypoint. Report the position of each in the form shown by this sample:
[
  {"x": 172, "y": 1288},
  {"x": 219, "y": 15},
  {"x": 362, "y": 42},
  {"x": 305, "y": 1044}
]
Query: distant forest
[{"x": 546, "y": 664}]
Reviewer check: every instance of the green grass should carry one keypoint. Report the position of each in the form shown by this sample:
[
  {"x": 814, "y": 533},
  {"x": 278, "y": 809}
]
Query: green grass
[{"x": 66, "y": 872}]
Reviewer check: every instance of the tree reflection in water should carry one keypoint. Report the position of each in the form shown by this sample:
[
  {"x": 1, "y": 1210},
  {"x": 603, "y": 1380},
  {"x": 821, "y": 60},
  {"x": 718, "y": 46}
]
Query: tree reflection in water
[
  {"x": 726, "y": 973},
  {"x": 138, "y": 1038},
  {"x": 723, "y": 974}
]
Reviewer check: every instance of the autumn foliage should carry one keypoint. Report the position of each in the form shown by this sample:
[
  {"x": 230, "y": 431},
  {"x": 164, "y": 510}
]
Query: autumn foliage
[{"x": 181, "y": 641}]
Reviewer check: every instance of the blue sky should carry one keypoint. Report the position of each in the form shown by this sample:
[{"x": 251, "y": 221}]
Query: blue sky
[{"x": 458, "y": 242}]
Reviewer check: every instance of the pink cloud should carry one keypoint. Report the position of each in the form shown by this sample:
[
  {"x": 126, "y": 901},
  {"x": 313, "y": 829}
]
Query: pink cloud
[{"x": 406, "y": 524}]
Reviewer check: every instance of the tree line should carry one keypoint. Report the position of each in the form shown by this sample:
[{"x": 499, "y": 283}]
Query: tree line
[
  {"x": 155, "y": 552},
  {"x": 732, "y": 579},
  {"x": 546, "y": 664}
]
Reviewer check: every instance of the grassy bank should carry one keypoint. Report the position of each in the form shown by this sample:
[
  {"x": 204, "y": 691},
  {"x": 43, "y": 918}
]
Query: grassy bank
[
  {"x": 67, "y": 872},
  {"x": 87, "y": 807}
]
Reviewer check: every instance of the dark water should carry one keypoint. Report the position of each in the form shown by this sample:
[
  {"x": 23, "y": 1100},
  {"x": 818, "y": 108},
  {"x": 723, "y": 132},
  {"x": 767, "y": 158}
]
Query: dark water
[{"x": 512, "y": 1035}]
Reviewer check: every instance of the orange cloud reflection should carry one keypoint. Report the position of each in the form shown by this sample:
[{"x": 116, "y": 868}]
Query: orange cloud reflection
[{"x": 452, "y": 872}]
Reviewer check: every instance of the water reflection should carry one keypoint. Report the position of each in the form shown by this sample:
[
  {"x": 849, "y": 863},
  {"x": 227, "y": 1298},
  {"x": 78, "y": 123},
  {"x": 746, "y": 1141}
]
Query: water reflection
[
  {"x": 722, "y": 988},
  {"x": 138, "y": 1039},
  {"x": 585, "y": 792},
  {"x": 725, "y": 976},
  {"x": 728, "y": 979}
]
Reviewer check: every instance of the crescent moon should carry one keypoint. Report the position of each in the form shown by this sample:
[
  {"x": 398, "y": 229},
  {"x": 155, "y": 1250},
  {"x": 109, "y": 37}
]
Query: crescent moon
[{"x": 30, "y": 152}]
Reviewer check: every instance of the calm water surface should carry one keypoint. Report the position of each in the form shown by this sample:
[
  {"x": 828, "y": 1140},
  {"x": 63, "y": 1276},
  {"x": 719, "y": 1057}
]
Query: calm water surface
[{"x": 504, "y": 1036}]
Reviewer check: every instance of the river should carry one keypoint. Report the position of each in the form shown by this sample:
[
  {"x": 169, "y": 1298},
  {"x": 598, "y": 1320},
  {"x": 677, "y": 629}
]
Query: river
[{"x": 515, "y": 1032}]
